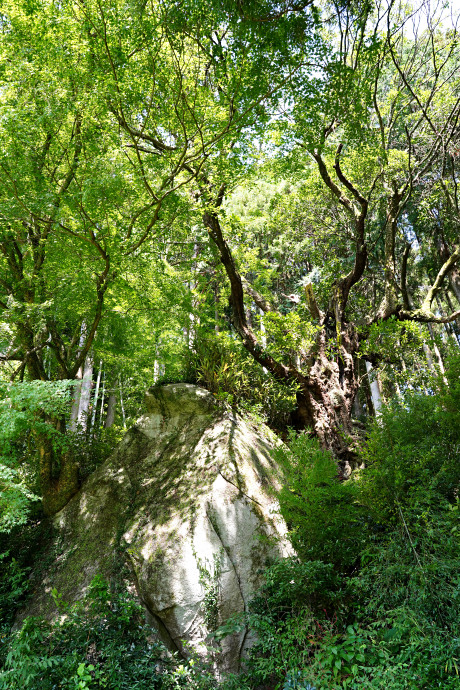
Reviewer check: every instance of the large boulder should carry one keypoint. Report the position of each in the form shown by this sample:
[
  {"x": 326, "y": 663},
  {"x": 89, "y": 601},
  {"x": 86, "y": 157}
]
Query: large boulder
[{"x": 187, "y": 499}]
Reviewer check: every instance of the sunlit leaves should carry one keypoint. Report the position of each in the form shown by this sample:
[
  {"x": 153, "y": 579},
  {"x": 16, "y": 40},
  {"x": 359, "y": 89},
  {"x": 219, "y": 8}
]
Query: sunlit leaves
[{"x": 23, "y": 410}]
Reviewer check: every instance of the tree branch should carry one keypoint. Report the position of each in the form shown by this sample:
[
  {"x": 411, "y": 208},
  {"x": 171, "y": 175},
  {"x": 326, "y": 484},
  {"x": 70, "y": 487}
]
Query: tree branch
[
  {"x": 344, "y": 180},
  {"x": 329, "y": 182},
  {"x": 282, "y": 372},
  {"x": 436, "y": 287},
  {"x": 257, "y": 297},
  {"x": 405, "y": 294}
]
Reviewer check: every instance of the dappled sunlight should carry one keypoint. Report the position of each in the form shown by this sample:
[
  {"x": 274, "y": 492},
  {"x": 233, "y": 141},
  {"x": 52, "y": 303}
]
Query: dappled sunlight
[{"x": 189, "y": 510}]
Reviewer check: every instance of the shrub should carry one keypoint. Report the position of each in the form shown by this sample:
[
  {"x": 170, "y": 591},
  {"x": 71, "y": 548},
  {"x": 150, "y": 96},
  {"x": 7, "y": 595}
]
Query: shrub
[
  {"x": 325, "y": 519},
  {"x": 374, "y": 602},
  {"x": 26, "y": 409},
  {"x": 413, "y": 450},
  {"x": 14, "y": 584},
  {"x": 414, "y": 566},
  {"x": 223, "y": 366},
  {"x": 292, "y": 612},
  {"x": 100, "y": 643}
]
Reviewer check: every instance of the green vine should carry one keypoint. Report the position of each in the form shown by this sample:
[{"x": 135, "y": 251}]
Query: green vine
[{"x": 210, "y": 581}]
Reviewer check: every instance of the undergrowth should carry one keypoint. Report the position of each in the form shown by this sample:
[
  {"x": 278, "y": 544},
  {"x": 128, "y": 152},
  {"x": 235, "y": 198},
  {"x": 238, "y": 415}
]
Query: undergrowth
[
  {"x": 372, "y": 601},
  {"x": 102, "y": 642}
]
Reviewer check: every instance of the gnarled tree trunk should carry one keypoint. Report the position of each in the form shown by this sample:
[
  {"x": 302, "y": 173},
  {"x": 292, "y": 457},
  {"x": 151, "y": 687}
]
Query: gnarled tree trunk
[{"x": 325, "y": 403}]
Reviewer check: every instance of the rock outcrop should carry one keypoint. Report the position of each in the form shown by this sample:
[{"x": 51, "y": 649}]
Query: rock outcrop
[{"x": 187, "y": 501}]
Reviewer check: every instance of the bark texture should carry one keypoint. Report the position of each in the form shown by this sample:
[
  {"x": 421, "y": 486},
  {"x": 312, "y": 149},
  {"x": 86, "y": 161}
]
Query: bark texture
[{"x": 58, "y": 472}]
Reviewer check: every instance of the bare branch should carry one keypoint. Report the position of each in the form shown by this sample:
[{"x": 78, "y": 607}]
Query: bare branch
[{"x": 329, "y": 182}]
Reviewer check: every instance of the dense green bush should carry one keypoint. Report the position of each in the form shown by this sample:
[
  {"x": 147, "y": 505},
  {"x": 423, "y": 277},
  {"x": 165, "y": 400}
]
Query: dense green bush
[
  {"x": 26, "y": 409},
  {"x": 326, "y": 520},
  {"x": 396, "y": 656},
  {"x": 412, "y": 454},
  {"x": 294, "y": 609},
  {"x": 414, "y": 566},
  {"x": 14, "y": 584},
  {"x": 102, "y": 642}
]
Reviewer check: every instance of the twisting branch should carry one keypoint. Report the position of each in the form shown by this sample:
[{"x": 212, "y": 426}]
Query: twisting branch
[
  {"x": 426, "y": 317},
  {"x": 329, "y": 182},
  {"x": 404, "y": 292},
  {"x": 344, "y": 180},
  {"x": 436, "y": 287},
  {"x": 424, "y": 314},
  {"x": 358, "y": 215},
  {"x": 282, "y": 372}
]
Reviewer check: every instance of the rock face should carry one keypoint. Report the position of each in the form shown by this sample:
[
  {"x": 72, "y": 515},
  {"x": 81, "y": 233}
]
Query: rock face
[{"x": 187, "y": 500}]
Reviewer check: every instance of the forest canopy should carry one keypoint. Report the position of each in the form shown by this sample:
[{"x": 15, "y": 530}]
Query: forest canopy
[{"x": 261, "y": 197}]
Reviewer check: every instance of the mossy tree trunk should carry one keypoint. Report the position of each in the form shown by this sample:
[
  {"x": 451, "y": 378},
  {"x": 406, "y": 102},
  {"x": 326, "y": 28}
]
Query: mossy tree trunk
[
  {"x": 328, "y": 380},
  {"x": 58, "y": 470}
]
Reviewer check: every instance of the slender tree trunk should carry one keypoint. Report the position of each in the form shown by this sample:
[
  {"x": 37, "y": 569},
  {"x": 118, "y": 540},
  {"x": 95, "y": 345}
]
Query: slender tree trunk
[
  {"x": 368, "y": 394},
  {"x": 455, "y": 324},
  {"x": 85, "y": 393},
  {"x": 74, "y": 413},
  {"x": 429, "y": 357},
  {"x": 263, "y": 336},
  {"x": 111, "y": 409},
  {"x": 96, "y": 396},
  {"x": 157, "y": 362},
  {"x": 156, "y": 370},
  {"x": 375, "y": 388},
  {"x": 194, "y": 320},
  {"x": 454, "y": 278},
  {"x": 122, "y": 406},
  {"x": 358, "y": 410},
  {"x": 73, "y": 423},
  {"x": 437, "y": 353},
  {"x": 101, "y": 412},
  {"x": 216, "y": 307}
]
